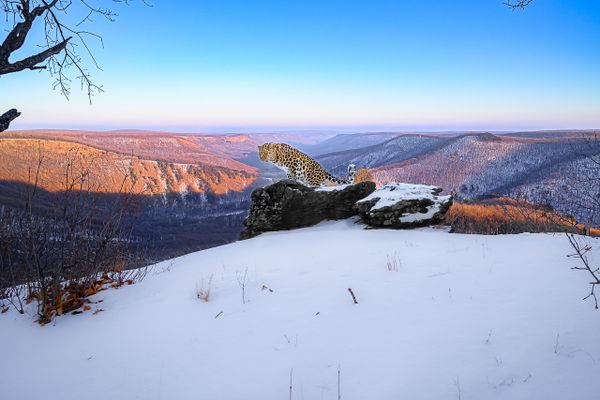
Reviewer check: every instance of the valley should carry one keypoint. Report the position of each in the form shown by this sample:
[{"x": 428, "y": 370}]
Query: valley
[{"x": 193, "y": 190}]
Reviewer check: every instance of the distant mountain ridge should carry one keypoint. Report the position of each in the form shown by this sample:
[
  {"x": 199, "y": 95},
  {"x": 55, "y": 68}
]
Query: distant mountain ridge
[
  {"x": 197, "y": 187},
  {"x": 396, "y": 149},
  {"x": 476, "y": 165}
]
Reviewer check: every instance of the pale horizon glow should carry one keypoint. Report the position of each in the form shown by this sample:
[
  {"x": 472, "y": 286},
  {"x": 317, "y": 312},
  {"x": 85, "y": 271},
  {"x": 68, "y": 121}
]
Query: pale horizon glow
[{"x": 339, "y": 66}]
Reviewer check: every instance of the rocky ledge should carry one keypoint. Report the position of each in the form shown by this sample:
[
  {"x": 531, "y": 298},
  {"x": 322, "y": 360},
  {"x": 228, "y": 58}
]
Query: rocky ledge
[
  {"x": 402, "y": 205},
  {"x": 288, "y": 205}
]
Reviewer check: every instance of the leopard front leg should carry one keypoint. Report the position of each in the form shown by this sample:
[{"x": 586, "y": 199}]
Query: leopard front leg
[
  {"x": 292, "y": 172},
  {"x": 299, "y": 172}
]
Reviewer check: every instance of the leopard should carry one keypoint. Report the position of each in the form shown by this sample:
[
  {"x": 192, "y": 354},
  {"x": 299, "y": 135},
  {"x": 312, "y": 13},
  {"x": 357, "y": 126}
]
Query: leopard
[{"x": 301, "y": 167}]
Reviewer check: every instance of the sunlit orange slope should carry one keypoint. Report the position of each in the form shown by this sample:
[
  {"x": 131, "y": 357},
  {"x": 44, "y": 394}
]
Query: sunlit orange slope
[{"x": 19, "y": 159}]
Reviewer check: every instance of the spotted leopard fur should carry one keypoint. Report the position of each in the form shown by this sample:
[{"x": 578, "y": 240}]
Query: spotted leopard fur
[{"x": 301, "y": 167}]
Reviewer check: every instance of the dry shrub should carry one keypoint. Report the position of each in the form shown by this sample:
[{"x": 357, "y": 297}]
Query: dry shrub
[
  {"x": 58, "y": 249},
  {"x": 506, "y": 215},
  {"x": 75, "y": 296},
  {"x": 363, "y": 175},
  {"x": 203, "y": 292},
  {"x": 394, "y": 263}
]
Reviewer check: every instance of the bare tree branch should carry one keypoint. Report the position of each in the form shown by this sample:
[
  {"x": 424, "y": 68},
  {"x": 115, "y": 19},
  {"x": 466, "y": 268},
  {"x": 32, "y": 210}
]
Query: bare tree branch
[
  {"x": 33, "y": 62},
  {"x": 16, "y": 37},
  {"x": 63, "y": 40},
  {"x": 517, "y": 4},
  {"x": 7, "y": 118},
  {"x": 581, "y": 251}
]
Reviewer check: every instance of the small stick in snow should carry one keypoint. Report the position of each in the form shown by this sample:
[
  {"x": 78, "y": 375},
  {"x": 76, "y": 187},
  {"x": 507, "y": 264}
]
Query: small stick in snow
[
  {"x": 488, "y": 340},
  {"x": 243, "y": 281},
  {"x": 287, "y": 339},
  {"x": 291, "y": 375},
  {"x": 556, "y": 344},
  {"x": 353, "y": 296},
  {"x": 217, "y": 316},
  {"x": 265, "y": 287},
  {"x": 339, "y": 392},
  {"x": 458, "y": 388}
]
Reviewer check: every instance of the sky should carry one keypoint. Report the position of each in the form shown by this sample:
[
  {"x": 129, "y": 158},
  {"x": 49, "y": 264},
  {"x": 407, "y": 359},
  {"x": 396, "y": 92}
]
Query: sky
[{"x": 413, "y": 65}]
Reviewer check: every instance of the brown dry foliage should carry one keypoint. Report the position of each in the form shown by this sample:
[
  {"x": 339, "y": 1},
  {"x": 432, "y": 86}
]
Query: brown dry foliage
[
  {"x": 363, "y": 175},
  {"x": 75, "y": 296},
  {"x": 504, "y": 215}
]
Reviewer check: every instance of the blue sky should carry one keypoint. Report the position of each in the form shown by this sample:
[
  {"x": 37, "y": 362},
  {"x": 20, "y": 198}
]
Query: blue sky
[{"x": 369, "y": 65}]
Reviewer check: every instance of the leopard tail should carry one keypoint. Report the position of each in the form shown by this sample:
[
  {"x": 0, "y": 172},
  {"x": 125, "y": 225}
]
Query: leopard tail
[{"x": 348, "y": 181}]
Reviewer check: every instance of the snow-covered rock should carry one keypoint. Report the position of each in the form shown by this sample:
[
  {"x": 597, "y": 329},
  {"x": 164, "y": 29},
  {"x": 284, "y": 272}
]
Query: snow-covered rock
[
  {"x": 288, "y": 205},
  {"x": 439, "y": 316},
  {"x": 403, "y": 205}
]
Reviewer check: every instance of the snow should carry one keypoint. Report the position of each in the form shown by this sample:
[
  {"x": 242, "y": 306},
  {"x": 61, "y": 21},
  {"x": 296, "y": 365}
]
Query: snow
[
  {"x": 393, "y": 193},
  {"x": 431, "y": 211},
  {"x": 489, "y": 317},
  {"x": 333, "y": 188}
]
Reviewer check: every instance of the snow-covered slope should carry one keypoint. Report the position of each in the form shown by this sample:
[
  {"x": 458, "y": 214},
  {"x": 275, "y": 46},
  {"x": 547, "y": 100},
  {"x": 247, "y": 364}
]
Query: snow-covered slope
[
  {"x": 394, "y": 150},
  {"x": 343, "y": 142},
  {"x": 452, "y": 317}
]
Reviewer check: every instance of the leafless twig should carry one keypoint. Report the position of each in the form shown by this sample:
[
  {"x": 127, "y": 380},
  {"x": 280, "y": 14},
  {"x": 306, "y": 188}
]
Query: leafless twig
[
  {"x": 339, "y": 392},
  {"x": 353, "y": 296},
  {"x": 581, "y": 251},
  {"x": 458, "y": 388},
  {"x": 489, "y": 337},
  {"x": 517, "y": 4},
  {"x": 291, "y": 381},
  {"x": 393, "y": 263},
  {"x": 242, "y": 282}
]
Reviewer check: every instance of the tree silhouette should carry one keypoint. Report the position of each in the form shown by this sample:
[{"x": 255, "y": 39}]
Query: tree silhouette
[{"x": 65, "y": 37}]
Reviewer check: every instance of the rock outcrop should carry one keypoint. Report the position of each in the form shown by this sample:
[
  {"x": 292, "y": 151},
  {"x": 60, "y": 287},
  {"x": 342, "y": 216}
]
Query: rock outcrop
[
  {"x": 288, "y": 204},
  {"x": 401, "y": 205},
  {"x": 7, "y": 117}
]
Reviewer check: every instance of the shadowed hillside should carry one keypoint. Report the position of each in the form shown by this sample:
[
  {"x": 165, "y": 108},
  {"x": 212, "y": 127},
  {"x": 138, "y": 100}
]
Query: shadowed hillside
[{"x": 181, "y": 207}]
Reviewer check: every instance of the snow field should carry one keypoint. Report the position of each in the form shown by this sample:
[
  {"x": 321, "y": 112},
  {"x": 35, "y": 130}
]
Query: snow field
[{"x": 466, "y": 316}]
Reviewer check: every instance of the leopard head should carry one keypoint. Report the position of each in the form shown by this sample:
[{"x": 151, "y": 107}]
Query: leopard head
[{"x": 266, "y": 152}]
